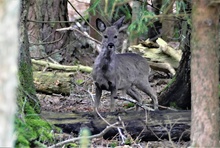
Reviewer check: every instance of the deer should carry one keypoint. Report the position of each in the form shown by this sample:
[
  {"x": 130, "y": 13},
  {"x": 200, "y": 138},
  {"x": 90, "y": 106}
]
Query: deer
[{"x": 119, "y": 71}]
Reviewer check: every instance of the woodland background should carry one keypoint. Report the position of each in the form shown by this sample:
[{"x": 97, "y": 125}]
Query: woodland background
[{"x": 56, "y": 43}]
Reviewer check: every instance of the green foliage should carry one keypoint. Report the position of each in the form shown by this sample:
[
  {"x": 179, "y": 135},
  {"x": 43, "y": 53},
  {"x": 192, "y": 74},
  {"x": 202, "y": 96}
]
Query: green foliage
[
  {"x": 129, "y": 105},
  {"x": 95, "y": 7},
  {"x": 79, "y": 81},
  {"x": 168, "y": 85},
  {"x": 72, "y": 145},
  {"x": 128, "y": 141},
  {"x": 173, "y": 105},
  {"x": 180, "y": 6},
  {"x": 144, "y": 21},
  {"x": 113, "y": 144},
  {"x": 31, "y": 130},
  {"x": 84, "y": 134},
  {"x": 109, "y": 9}
]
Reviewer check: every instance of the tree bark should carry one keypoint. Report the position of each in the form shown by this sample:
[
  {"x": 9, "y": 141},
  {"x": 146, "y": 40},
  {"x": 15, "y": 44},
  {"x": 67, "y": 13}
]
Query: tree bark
[
  {"x": 25, "y": 66},
  {"x": 9, "y": 14},
  {"x": 204, "y": 74},
  {"x": 135, "y": 14},
  {"x": 168, "y": 23},
  {"x": 178, "y": 92},
  {"x": 43, "y": 21}
]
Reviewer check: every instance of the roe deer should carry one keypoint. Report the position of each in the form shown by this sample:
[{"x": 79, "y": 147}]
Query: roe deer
[{"x": 114, "y": 72}]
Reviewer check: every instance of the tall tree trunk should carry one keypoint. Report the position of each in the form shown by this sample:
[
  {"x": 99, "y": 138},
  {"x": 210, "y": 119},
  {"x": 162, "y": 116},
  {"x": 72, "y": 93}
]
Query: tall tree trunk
[
  {"x": 9, "y": 13},
  {"x": 178, "y": 92},
  {"x": 135, "y": 14},
  {"x": 44, "y": 16},
  {"x": 204, "y": 75},
  {"x": 168, "y": 23},
  {"x": 25, "y": 66}
]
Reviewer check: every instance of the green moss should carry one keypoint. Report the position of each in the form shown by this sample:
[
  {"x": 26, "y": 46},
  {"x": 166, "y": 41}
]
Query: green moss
[
  {"x": 31, "y": 130},
  {"x": 168, "y": 85},
  {"x": 72, "y": 145},
  {"x": 79, "y": 81},
  {"x": 25, "y": 75},
  {"x": 129, "y": 105},
  {"x": 174, "y": 105}
]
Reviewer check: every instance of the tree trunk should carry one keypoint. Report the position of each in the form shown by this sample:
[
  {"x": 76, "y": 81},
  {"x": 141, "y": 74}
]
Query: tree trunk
[
  {"x": 204, "y": 75},
  {"x": 9, "y": 14},
  {"x": 178, "y": 92},
  {"x": 44, "y": 19},
  {"x": 135, "y": 16},
  {"x": 25, "y": 66},
  {"x": 168, "y": 23}
]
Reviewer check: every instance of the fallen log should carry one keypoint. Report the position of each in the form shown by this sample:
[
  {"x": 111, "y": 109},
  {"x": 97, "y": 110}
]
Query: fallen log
[
  {"x": 62, "y": 67},
  {"x": 51, "y": 82},
  {"x": 147, "y": 126},
  {"x": 169, "y": 50}
]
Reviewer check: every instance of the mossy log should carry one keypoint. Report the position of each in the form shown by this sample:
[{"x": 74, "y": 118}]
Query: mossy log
[
  {"x": 169, "y": 50},
  {"x": 62, "y": 67},
  {"x": 51, "y": 82},
  {"x": 155, "y": 55},
  {"x": 151, "y": 126}
]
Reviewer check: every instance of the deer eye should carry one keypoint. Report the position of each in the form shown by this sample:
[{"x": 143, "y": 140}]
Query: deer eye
[
  {"x": 105, "y": 36},
  {"x": 115, "y": 36}
]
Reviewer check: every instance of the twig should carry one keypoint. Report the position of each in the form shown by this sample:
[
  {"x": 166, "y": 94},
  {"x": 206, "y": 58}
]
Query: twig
[
  {"x": 103, "y": 118},
  {"x": 83, "y": 17},
  {"x": 136, "y": 103},
  {"x": 89, "y": 137},
  {"x": 71, "y": 28},
  {"x": 46, "y": 43},
  {"x": 119, "y": 130}
]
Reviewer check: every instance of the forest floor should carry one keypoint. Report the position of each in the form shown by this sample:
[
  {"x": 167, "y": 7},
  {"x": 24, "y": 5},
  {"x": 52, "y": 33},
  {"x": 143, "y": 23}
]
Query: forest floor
[{"x": 81, "y": 100}]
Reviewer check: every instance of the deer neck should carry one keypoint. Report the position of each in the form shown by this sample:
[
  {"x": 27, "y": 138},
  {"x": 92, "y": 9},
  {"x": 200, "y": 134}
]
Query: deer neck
[{"x": 107, "y": 58}]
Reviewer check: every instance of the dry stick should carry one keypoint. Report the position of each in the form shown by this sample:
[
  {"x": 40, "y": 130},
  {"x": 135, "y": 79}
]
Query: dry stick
[
  {"x": 46, "y": 43},
  {"x": 83, "y": 17},
  {"x": 123, "y": 137},
  {"x": 86, "y": 35},
  {"x": 89, "y": 137},
  {"x": 186, "y": 131},
  {"x": 104, "y": 118},
  {"x": 135, "y": 102},
  {"x": 169, "y": 131},
  {"x": 142, "y": 106}
]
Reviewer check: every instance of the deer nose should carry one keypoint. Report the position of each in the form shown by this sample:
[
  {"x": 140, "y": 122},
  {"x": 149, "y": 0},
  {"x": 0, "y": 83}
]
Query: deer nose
[{"x": 111, "y": 45}]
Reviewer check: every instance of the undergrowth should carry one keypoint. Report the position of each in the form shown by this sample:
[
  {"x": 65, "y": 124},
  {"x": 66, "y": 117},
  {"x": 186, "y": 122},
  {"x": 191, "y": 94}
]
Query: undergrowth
[{"x": 31, "y": 130}]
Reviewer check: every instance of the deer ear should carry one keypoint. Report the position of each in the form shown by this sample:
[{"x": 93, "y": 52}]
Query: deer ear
[
  {"x": 119, "y": 22},
  {"x": 100, "y": 25}
]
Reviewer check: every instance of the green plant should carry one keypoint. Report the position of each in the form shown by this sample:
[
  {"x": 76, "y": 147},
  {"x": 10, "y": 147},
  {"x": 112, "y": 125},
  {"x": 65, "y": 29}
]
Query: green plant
[{"x": 31, "y": 130}]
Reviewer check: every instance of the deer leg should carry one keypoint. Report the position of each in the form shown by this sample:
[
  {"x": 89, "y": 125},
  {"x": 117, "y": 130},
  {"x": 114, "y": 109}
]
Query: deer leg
[
  {"x": 98, "y": 94},
  {"x": 113, "y": 97},
  {"x": 145, "y": 87},
  {"x": 135, "y": 95}
]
